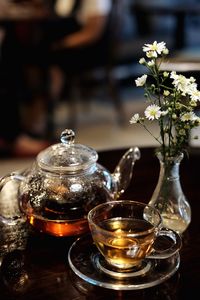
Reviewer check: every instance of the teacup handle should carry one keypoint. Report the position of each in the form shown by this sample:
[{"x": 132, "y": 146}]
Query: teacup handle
[
  {"x": 174, "y": 248},
  {"x": 3, "y": 181}
]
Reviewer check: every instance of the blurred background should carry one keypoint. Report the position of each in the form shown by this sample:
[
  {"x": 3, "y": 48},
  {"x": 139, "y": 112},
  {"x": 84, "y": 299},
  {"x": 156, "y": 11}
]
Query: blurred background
[{"x": 73, "y": 64}]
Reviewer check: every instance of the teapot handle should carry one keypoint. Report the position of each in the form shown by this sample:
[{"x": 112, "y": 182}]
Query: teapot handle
[
  {"x": 123, "y": 172},
  {"x": 3, "y": 181}
]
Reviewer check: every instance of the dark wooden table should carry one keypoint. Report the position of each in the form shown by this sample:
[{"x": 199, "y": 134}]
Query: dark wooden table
[{"x": 35, "y": 266}]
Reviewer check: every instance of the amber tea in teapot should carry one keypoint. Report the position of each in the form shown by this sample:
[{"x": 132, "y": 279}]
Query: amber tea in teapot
[
  {"x": 64, "y": 183},
  {"x": 65, "y": 217}
]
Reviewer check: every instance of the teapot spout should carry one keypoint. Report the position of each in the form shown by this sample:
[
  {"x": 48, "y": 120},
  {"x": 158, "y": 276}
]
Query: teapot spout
[{"x": 123, "y": 172}]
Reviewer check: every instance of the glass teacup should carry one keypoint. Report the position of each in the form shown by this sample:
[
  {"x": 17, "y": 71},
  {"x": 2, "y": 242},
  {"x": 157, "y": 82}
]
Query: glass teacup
[{"x": 126, "y": 233}]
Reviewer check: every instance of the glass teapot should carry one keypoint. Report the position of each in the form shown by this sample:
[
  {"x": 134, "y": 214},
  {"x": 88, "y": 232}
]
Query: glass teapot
[{"x": 65, "y": 181}]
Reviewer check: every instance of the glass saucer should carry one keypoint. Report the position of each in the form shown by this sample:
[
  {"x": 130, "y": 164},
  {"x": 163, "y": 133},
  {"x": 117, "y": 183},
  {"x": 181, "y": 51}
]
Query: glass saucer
[{"x": 87, "y": 263}]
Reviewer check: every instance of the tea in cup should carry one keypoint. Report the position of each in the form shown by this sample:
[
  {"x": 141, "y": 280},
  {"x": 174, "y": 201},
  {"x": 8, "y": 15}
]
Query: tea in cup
[{"x": 125, "y": 232}]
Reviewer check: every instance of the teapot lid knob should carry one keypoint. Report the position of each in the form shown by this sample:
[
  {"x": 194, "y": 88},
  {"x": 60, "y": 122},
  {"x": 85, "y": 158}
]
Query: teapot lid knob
[
  {"x": 67, "y": 156},
  {"x": 67, "y": 136}
]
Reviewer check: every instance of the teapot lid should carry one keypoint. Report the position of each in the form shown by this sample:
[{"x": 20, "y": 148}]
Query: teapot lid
[{"x": 67, "y": 156}]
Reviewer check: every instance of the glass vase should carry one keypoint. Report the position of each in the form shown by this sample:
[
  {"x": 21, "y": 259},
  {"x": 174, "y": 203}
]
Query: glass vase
[{"x": 168, "y": 196}]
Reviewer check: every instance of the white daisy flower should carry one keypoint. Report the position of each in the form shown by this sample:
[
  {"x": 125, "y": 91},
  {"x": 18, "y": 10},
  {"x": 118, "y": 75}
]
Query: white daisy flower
[
  {"x": 156, "y": 47},
  {"x": 153, "y": 112},
  {"x": 194, "y": 94},
  {"x": 188, "y": 116},
  {"x": 180, "y": 82}
]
